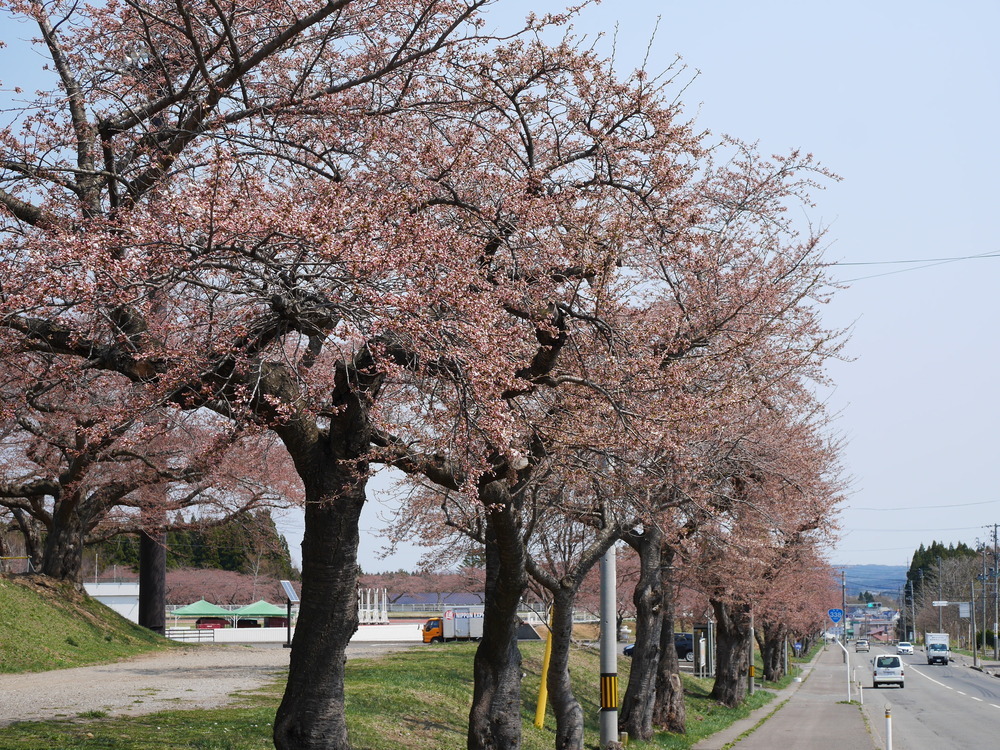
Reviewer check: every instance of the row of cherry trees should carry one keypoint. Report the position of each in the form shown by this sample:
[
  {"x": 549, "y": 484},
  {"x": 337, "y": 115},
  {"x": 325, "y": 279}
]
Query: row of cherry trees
[{"x": 381, "y": 236}]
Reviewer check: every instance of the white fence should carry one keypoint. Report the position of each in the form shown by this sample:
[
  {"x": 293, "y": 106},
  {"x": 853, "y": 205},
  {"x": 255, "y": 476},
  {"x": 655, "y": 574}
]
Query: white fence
[{"x": 365, "y": 633}]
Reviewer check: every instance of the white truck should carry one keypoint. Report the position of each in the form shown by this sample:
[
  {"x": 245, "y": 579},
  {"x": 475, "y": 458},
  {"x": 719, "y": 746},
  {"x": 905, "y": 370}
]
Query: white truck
[
  {"x": 458, "y": 623},
  {"x": 937, "y": 648}
]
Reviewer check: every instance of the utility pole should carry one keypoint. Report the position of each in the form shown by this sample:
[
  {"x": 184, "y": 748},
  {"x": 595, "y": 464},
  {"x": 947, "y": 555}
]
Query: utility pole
[
  {"x": 901, "y": 636},
  {"x": 996, "y": 597},
  {"x": 843, "y": 604},
  {"x": 940, "y": 598},
  {"x": 913, "y": 613}
]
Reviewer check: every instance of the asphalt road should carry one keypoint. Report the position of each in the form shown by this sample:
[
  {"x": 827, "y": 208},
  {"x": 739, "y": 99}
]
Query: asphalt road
[{"x": 951, "y": 707}]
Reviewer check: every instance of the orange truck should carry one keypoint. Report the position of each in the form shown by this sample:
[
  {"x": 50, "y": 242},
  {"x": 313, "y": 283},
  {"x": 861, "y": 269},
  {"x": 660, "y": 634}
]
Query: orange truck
[{"x": 456, "y": 624}]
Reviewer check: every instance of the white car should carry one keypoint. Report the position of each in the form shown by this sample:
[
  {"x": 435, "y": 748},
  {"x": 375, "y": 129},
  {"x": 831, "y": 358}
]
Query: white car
[
  {"x": 904, "y": 648},
  {"x": 861, "y": 645},
  {"x": 887, "y": 670}
]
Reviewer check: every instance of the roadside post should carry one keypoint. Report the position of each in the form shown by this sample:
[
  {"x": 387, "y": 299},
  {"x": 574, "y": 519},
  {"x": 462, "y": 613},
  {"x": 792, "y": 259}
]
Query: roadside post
[
  {"x": 291, "y": 598},
  {"x": 888, "y": 727}
]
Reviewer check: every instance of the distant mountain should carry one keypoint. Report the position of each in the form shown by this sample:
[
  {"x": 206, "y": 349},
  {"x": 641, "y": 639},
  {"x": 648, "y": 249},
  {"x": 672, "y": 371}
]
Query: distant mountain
[{"x": 877, "y": 579}]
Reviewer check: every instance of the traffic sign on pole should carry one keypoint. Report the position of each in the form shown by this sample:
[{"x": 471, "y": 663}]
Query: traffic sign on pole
[{"x": 836, "y": 614}]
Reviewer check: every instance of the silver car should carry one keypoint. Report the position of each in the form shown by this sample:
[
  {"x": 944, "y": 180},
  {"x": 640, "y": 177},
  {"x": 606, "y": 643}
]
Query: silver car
[
  {"x": 887, "y": 670},
  {"x": 862, "y": 645}
]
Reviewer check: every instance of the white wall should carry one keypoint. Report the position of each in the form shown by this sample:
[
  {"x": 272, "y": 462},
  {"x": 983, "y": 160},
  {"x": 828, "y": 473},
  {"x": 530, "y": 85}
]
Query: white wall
[{"x": 123, "y": 598}]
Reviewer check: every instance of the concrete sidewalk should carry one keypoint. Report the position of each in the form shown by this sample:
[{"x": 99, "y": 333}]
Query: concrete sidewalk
[{"x": 808, "y": 715}]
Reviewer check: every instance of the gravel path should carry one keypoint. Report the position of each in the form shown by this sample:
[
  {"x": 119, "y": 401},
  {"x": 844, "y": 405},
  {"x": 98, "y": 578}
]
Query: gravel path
[{"x": 194, "y": 677}]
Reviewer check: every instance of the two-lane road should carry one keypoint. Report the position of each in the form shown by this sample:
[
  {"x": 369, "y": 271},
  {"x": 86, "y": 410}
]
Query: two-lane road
[{"x": 941, "y": 708}]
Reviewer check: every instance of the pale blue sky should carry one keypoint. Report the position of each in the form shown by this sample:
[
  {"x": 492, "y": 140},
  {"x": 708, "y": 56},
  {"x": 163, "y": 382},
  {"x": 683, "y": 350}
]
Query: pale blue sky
[{"x": 902, "y": 100}]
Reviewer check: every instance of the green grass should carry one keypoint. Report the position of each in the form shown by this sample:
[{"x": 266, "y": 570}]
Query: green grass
[
  {"x": 413, "y": 699},
  {"x": 410, "y": 700},
  {"x": 46, "y": 625}
]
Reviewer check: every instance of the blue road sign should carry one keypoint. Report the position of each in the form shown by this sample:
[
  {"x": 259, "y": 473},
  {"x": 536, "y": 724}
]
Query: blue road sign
[{"x": 836, "y": 614}]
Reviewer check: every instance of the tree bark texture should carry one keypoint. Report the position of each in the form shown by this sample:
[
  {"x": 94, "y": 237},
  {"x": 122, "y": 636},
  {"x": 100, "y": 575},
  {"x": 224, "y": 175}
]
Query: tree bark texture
[
  {"x": 669, "y": 713},
  {"x": 772, "y": 648},
  {"x": 30, "y": 530},
  {"x": 153, "y": 581},
  {"x": 62, "y": 555},
  {"x": 732, "y": 653},
  {"x": 565, "y": 707},
  {"x": 311, "y": 714},
  {"x": 636, "y": 715},
  {"x": 495, "y": 716}
]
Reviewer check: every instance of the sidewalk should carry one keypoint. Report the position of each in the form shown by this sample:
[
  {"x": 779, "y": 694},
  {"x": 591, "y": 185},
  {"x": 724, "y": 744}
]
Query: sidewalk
[{"x": 808, "y": 715}]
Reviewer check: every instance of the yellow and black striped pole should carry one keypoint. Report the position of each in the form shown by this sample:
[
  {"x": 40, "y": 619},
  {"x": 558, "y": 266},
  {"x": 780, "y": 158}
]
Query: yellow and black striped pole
[
  {"x": 609, "y": 649},
  {"x": 609, "y": 692}
]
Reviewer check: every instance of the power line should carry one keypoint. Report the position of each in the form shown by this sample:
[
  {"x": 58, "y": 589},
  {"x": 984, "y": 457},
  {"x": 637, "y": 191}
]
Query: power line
[
  {"x": 926, "y": 263},
  {"x": 915, "y": 260},
  {"x": 931, "y": 507}
]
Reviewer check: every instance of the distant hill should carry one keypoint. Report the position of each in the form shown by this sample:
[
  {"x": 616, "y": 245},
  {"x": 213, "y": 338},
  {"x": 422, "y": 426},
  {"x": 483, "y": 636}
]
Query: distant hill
[{"x": 877, "y": 579}]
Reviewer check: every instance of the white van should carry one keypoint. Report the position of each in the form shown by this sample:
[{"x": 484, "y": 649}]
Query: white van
[{"x": 887, "y": 670}]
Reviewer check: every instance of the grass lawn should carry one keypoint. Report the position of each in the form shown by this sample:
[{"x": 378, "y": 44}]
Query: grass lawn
[{"x": 415, "y": 699}]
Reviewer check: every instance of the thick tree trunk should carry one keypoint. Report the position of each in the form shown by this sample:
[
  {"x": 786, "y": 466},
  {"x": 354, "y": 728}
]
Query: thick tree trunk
[
  {"x": 153, "y": 581},
  {"x": 565, "y": 706},
  {"x": 311, "y": 714},
  {"x": 495, "y": 717},
  {"x": 669, "y": 713},
  {"x": 62, "y": 555},
  {"x": 772, "y": 649},
  {"x": 732, "y": 653},
  {"x": 334, "y": 472},
  {"x": 636, "y": 715}
]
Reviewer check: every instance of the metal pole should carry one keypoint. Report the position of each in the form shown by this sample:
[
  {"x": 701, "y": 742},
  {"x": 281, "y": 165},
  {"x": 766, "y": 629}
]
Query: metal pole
[
  {"x": 940, "y": 598},
  {"x": 888, "y": 727},
  {"x": 843, "y": 604},
  {"x": 984, "y": 599},
  {"x": 975, "y": 638},
  {"x": 847, "y": 671},
  {"x": 996, "y": 598},
  {"x": 750, "y": 671},
  {"x": 609, "y": 650}
]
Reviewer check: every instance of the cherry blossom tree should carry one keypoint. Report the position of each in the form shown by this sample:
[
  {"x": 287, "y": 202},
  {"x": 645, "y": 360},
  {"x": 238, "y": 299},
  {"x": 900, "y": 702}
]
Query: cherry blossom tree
[
  {"x": 310, "y": 220},
  {"x": 211, "y": 208},
  {"x": 85, "y": 463}
]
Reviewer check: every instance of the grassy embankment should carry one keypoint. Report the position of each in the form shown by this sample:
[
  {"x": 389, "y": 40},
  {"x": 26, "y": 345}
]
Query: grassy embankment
[{"x": 414, "y": 699}]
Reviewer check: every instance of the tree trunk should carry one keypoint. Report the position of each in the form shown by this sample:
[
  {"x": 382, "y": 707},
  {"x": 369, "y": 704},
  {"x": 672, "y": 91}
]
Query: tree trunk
[
  {"x": 495, "y": 717},
  {"x": 565, "y": 707},
  {"x": 669, "y": 713},
  {"x": 311, "y": 714},
  {"x": 62, "y": 556},
  {"x": 153, "y": 580},
  {"x": 31, "y": 532},
  {"x": 636, "y": 715},
  {"x": 772, "y": 645},
  {"x": 732, "y": 647}
]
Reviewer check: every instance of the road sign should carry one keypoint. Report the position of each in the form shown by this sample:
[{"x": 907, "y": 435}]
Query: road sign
[
  {"x": 836, "y": 614},
  {"x": 939, "y": 604}
]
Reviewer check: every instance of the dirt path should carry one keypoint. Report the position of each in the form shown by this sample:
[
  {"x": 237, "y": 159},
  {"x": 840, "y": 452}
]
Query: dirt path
[{"x": 195, "y": 677}]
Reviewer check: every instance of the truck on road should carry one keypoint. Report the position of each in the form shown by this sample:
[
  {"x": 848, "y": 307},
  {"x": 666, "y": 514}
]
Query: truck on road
[
  {"x": 937, "y": 648},
  {"x": 456, "y": 624}
]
